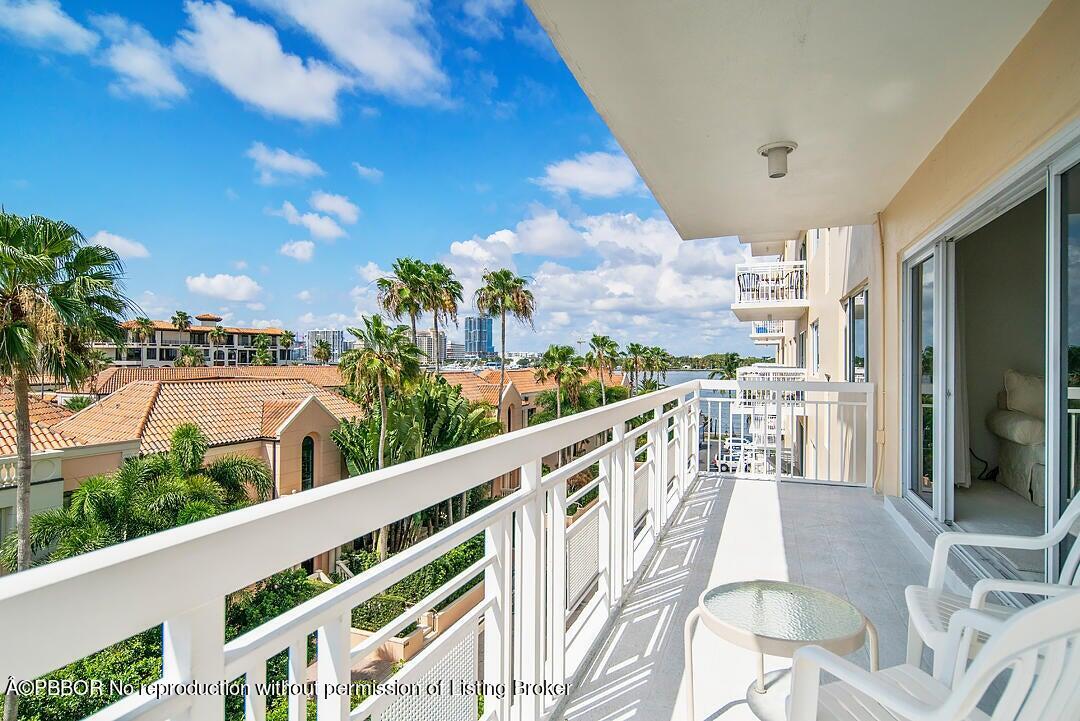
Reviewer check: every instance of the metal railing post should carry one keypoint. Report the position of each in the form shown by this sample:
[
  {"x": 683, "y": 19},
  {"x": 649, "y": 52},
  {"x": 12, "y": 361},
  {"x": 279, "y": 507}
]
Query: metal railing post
[
  {"x": 529, "y": 580},
  {"x": 498, "y": 629},
  {"x": 777, "y": 395},
  {"x": 334, "y": 643},
  {"x": 610, "y": 469}
]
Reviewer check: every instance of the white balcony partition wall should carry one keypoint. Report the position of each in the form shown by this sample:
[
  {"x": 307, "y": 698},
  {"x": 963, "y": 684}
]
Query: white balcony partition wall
[
  {"x": 550, "y": 588},
  {"x": 770, "y": 291}
]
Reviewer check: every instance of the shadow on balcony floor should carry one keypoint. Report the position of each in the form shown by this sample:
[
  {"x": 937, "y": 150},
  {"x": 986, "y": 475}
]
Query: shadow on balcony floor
[{"x": 839, "y": 539}]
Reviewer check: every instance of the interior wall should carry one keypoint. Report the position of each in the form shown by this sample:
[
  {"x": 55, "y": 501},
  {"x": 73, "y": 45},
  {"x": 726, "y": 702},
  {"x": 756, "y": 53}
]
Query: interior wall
[{"x": 1001, "y": 271}]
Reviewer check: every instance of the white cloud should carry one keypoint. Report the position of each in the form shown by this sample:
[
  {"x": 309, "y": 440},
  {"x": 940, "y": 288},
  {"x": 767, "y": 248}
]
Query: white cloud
[
  {"x": 373, "y": 174},
  {"x": 302, "y": 250},
  {"x": 240, "y": 264},
  {"x": 339, "y": 205},
  {"x": 224, "y": 286},
  {"x": 370, "y": 271},
  {"x": 256, "y": 306},
  {"x": 246, "y": 58},
  {"x": 304, "y": 296},
  {"x": 271, "y": 323},
  {"x": 547, "y": 233},
  {"x": 388, "y": 44},
  {"x": 124, "y": 247},
  {"x": 273, "y": 164},
  {"x": 321, "y": 226},
  {"x": 600, "y": 175},
  {"x": 483, "y": 18},
  {"x": 43, "y": 24},
  {"x": 144, "y": 67}
]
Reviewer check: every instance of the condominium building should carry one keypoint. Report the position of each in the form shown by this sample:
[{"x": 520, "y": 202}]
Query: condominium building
[
  {"x": 479, "y": 339},
  {"x": 455, "y": 351},
  {"x": 430, "y": 347},
  {"x": 159, "y": 344},
  {"x": 333, "y": 336}
]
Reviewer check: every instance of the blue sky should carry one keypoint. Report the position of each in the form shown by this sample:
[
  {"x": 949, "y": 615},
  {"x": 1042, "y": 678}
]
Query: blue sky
[{"x": 268, "y": 159}]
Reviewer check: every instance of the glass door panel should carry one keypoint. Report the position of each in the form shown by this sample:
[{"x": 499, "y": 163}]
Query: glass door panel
[
  {"x": 921, "y": 396},
  {"x": 1069, "y": 477}
]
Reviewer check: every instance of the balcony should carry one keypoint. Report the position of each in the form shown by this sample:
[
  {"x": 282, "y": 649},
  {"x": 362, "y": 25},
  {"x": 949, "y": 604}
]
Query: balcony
[
  {"x": 598, "y": 602},
  {"x": 767, "y": 332},
  {"x": 770, "y": 291}
]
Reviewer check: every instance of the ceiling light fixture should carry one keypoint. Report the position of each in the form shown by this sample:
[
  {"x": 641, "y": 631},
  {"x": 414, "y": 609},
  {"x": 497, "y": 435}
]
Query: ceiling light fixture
[{"x": 777, "y": 154}]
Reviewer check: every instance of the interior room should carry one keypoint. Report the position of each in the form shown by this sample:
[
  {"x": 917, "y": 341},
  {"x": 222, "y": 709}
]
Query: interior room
[{"x": 1000, "y": 484}]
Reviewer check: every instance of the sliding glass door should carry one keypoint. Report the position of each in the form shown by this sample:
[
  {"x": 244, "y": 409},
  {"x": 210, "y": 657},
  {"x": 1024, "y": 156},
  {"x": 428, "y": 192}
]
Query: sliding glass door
[{"x": 921, "y": 380}]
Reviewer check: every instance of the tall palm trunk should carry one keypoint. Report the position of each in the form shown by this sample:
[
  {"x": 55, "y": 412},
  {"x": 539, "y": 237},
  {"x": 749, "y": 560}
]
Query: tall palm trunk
[
  {"x": 412, "y": 322},
  {"x": 381, "y": 543},
  {"x": 603, "y": 393},
  {"x": 502, "y": 365},
  {"x": 22, "y": 493}
]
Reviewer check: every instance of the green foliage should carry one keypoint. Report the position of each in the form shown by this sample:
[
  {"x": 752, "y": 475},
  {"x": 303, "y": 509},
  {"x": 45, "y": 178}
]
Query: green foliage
[
  {"x": 145, "y": 495},
  {"x": 588, "y": 397},
  {"x": 321, "y": 351},
  {"x": 77, "y": 403},
  {"x": 261, "y": 344},
  {"x": 188, "y": 356}
]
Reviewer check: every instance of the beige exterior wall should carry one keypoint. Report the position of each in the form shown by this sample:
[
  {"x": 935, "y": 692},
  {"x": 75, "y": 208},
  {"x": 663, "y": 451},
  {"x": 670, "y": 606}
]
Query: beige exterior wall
[
  {"x": 313, "y": 420},
  {"x": 74, "y": 470},
  {"x": 1033, "y": 96}
]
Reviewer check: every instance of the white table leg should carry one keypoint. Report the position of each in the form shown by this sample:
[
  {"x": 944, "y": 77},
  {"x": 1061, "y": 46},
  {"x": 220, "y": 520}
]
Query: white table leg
[
  {"x": 760, "y": 688},
  {"x": 872, "y": 641},
  {"x": 688, "y": 656}
]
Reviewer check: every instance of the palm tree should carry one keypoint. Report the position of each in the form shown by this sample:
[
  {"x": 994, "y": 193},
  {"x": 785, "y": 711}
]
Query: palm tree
[
  {"x": 561, "y": 365},
  {"x": 441, "y": 299},
  {"x": 144, "y": 330},
  {"x": 146, "y": 495},
  {"x": 96, "y": 361},
  {"x": 504, "y": 292},
  {"x": 262, "y": 351},
  {"x": 634, "y": 363},
  {"x": 57, "y": 295},
  {"x": 404, "y": 292},
  {"x": 188, "y": 356},
  {"x": 386, "y": 361},
  {"x": 286, "y": 341},
  {"x": 601, "y": 358},
  {"x": 217, "y": 336},
  {"x": 727, "y": 366},
  {"x": 181, "y": 320},
  {"x": 322, "y": 351}
]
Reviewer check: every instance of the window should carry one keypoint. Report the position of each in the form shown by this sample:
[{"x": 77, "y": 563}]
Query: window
[
  {"x": 856, "y": 339},
  {"x": 134, "y": 354},
  {"x": 815, "y": 348},
  {"x": 151, "y": 354},
  {"x": 800, "y": 350},
  {"x": 307, "y": 464}
]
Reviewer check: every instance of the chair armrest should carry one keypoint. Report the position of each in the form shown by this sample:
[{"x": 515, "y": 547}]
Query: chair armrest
[
  {"x": 987, "y": 586},
  {"x": 962, "y": 627},
  {"x": 807, "y": 666},
  {"x": 945, "y": 541}
]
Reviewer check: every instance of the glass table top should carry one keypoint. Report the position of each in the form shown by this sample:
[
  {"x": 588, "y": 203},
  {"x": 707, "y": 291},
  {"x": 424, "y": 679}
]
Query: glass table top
[{"x": 781, "y": 610}]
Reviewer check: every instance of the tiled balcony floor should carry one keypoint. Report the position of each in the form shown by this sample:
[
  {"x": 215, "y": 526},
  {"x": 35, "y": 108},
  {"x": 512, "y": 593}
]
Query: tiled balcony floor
[{"x": 835, "y": 538}]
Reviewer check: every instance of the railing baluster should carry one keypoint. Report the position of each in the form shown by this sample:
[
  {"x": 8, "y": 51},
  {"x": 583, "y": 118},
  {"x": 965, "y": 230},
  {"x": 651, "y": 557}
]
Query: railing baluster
[
  {"x": 557, "y": 584},
  {"x": 334, "y": 644},
  {"x": 193, "y": 650},
  {"x": 605, "y": 524},
  {"x": 530, "y": 596},
  {"x": 298, "y": 676},
  {"x": 255, "y": 698},
  {"x": 498, "y": 641}
]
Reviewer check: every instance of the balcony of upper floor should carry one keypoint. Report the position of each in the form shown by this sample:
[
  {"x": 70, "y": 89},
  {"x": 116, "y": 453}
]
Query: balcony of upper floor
[
  {"x": 767, "y": 332},
  {"x": 773, "y": 291}
]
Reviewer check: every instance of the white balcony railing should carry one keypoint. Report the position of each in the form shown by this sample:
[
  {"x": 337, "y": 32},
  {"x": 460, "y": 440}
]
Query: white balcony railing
[
  {"x": 780, "y": 282},
  {"x": 548, "y": 587},
  {"x": 767, "y": 330}
]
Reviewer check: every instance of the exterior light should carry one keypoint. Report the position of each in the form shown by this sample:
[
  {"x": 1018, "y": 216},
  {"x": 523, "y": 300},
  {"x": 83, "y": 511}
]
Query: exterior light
[{"x": 777, "y": 154}]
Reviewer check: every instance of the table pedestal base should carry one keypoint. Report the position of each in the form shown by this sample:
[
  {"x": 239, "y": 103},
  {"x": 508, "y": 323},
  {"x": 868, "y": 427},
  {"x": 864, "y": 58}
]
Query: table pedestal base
[{"x": 770, "y": 705}]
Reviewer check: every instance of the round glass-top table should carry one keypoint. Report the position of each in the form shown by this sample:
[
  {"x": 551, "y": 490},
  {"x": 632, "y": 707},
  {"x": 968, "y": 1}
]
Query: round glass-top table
[{"x": 778, "y": 618}]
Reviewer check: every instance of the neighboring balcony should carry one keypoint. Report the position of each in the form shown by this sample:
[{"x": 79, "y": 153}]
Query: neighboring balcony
[
  {"x": 767, "y": 332},
  {"x": 597, "y": 599},
  {"x": 770, "y": 291}
]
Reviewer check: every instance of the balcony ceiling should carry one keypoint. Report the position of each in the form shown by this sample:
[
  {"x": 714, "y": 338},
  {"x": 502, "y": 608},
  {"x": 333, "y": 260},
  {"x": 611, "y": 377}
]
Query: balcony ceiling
[{"x": 691, "y": 89}]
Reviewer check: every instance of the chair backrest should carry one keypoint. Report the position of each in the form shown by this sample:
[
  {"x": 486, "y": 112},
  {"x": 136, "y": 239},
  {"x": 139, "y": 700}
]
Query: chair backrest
[
  {"x": 1040, "y": 648},
  {"x": 1070, "y": 569}
]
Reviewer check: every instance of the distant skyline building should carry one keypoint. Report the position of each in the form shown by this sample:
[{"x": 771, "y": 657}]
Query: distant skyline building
[
  {"x": 425, "y": 341},
  {"x": 479, "y": 338},
  {"x": 333, "y": 336}
]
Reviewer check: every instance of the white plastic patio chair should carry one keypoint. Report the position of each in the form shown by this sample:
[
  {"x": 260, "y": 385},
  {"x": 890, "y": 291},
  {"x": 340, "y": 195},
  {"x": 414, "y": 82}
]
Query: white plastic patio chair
[
  {"x": 930, "y": 607},
  {"x": 1038, "y": 646}
]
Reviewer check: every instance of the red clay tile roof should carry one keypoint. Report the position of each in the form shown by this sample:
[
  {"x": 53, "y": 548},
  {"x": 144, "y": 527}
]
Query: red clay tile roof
[
  {"x": 41, "y": 411},
  {"x": 42, "y": 438},
  {"x": 208, "y": 316},
  {"x": 227, "y": 410},
  {"x": 525, "y": 379},
  {"x": 275, "y": 412},
  {"x": 166, "y": 325},
  {"x": 114, "y": 378},
  {"x": 473, "y": 387}
]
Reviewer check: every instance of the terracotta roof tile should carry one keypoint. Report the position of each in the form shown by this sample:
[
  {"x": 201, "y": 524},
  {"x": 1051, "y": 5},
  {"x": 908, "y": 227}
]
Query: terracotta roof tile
[
  {"x": 473, "y": 387},
  {"x": 275, "y": 412},
  {"x": 42, "y": 438},
  {"x": 166, "y": 325},
  {"x": 227, "y": 410},
  {"x": 114, "y": 378},
  {"x": 525, "y": 379},
  {"x": 41, "y": 411}
]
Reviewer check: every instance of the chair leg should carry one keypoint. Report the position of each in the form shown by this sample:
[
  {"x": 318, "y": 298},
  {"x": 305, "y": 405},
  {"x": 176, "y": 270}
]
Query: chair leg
[{"x": 914, "y": 646}]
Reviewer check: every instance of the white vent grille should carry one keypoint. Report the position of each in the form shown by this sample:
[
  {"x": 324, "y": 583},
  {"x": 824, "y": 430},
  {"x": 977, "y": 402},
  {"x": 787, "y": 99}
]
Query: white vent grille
[
  {"x": 582, "y": 559},
  {"x": 458, "y": 665}
]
